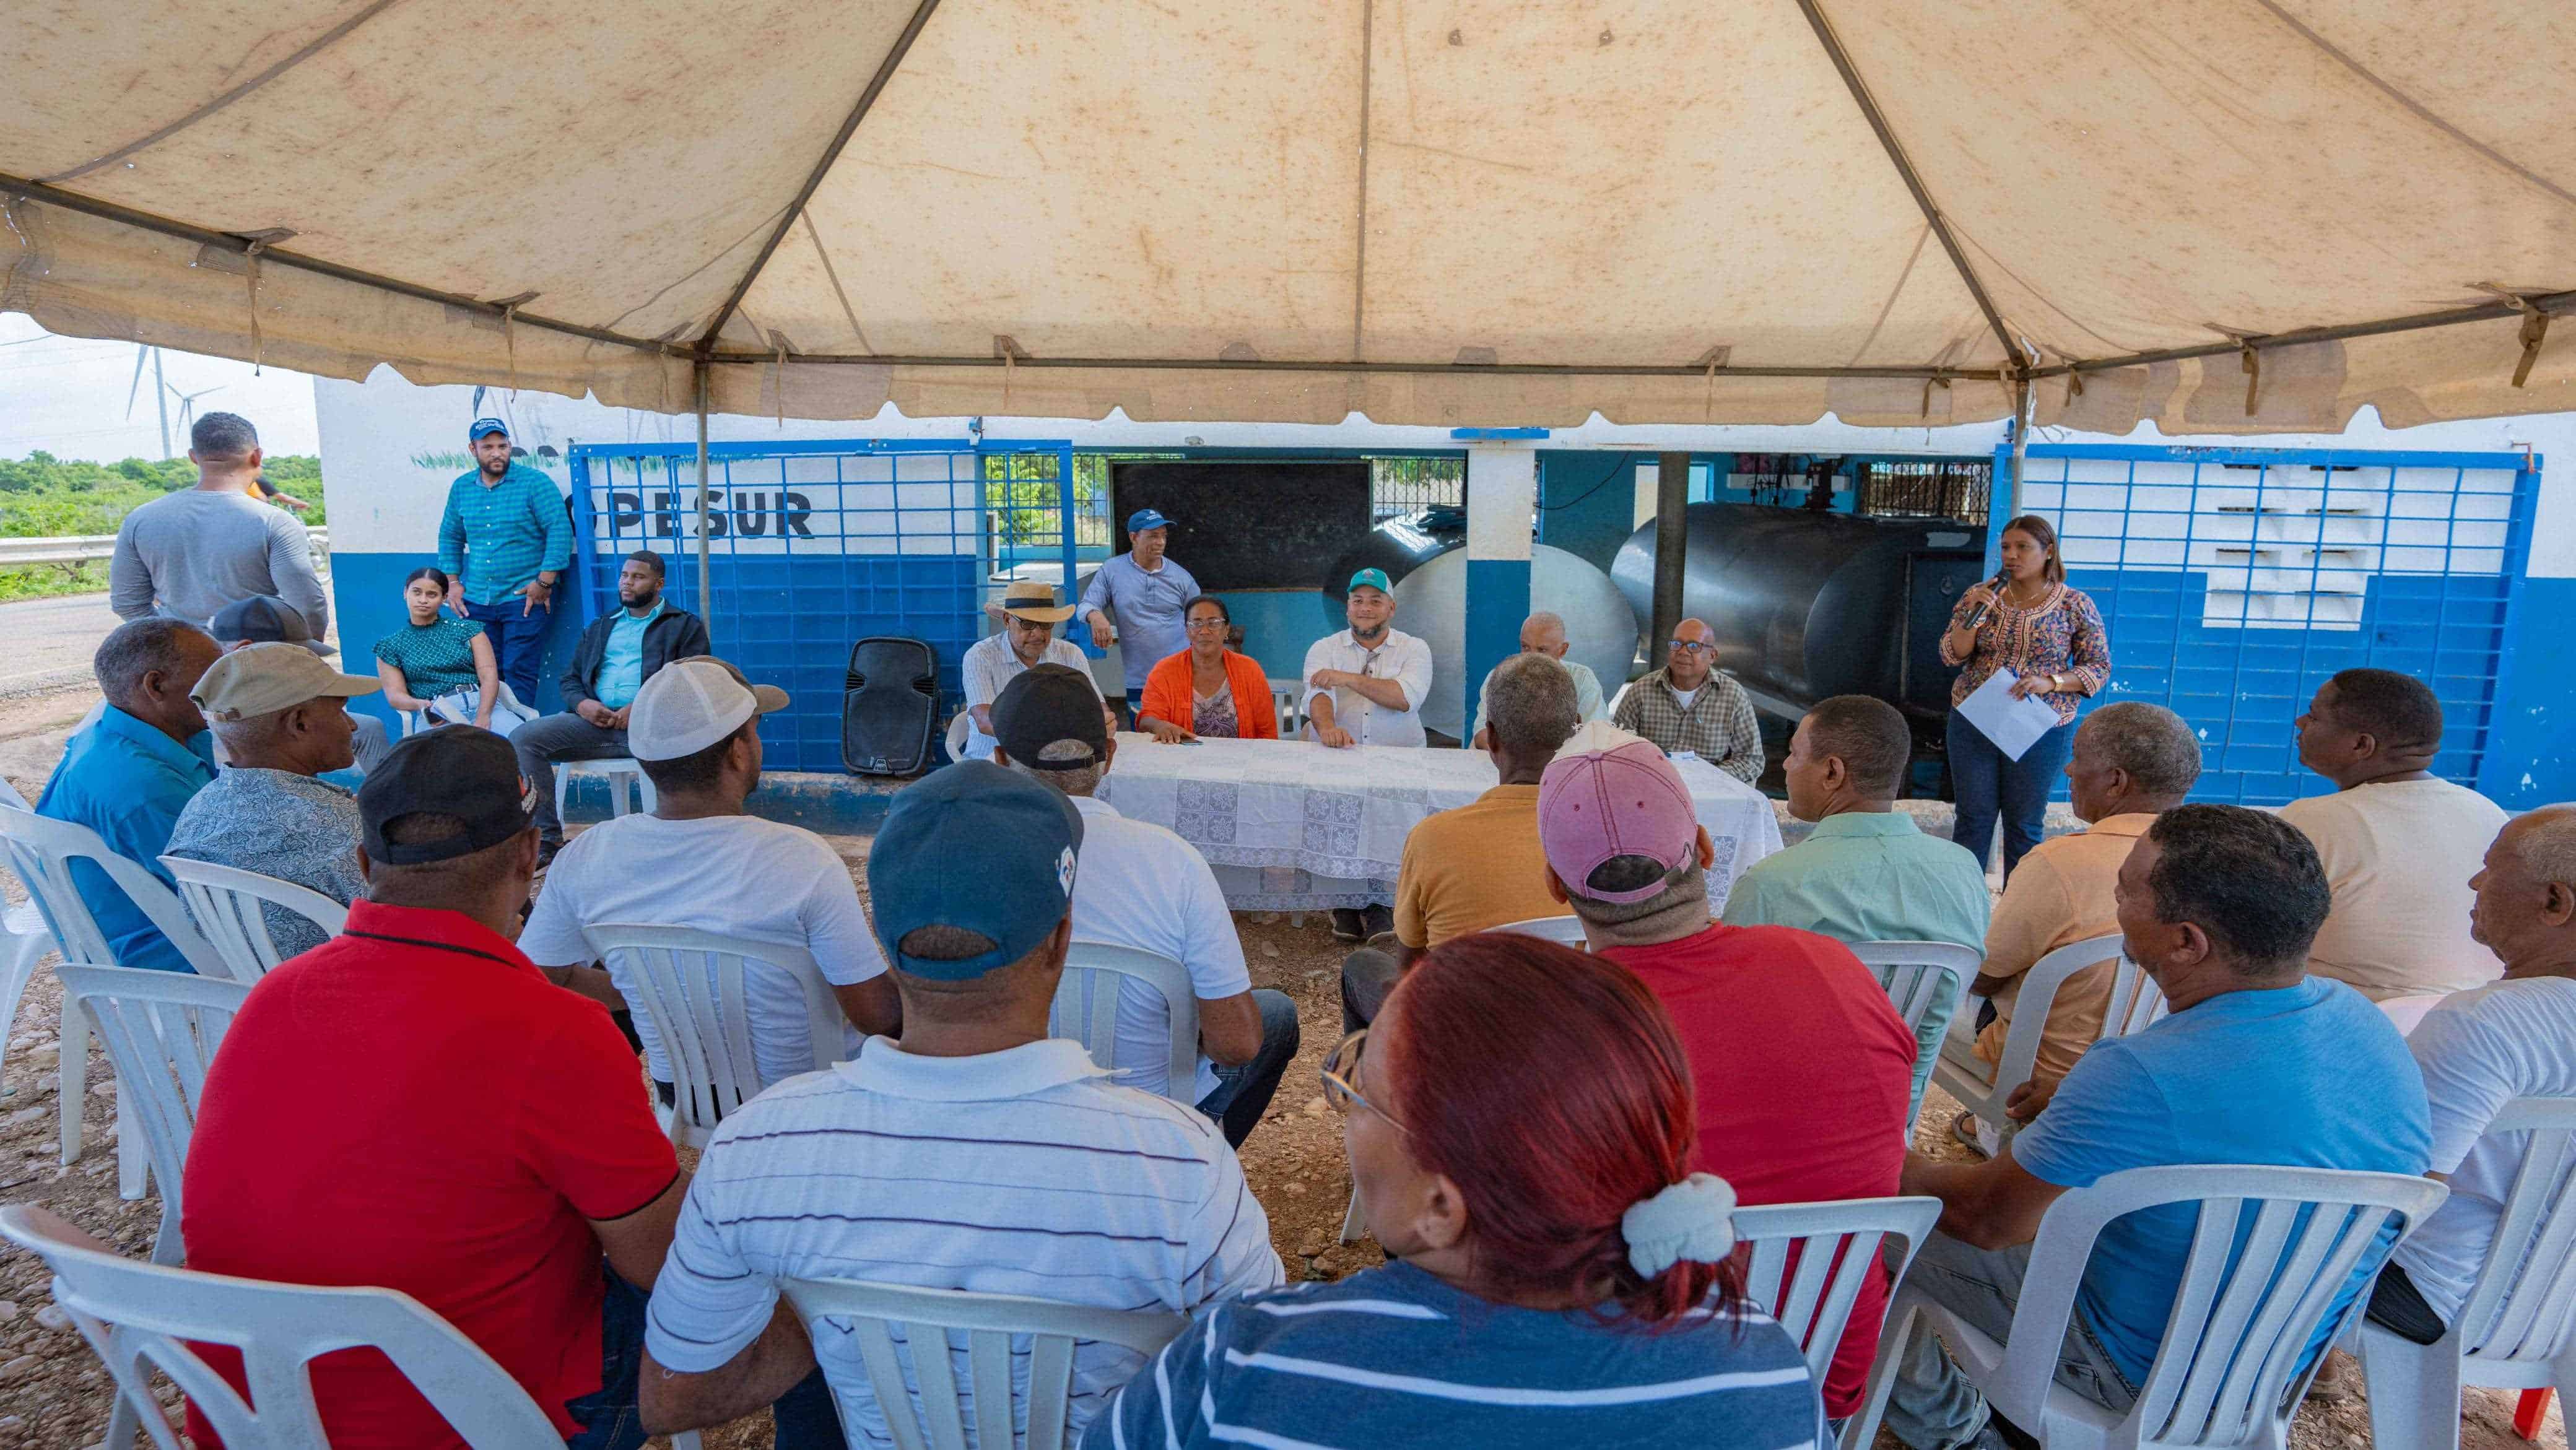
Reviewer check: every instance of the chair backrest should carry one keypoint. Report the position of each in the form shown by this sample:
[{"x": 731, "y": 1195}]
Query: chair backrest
[
  {"x": 226, "y": 900},
  {"x": 1921, "y": 975},
  {"x": 161, "y": 1031},
  {"x": 2136, "y": 1003},
  {"x": 2523, "y": 1307},
  {"x": 9, "y": 796},
  {"x": 2233, "y": 1364},
  {"x": 995, "y": 1329},
  {"x": 1565, "y": 929},
  {"x": 1086, "y": 1008},
  {"x": 2039, "y": 987},
  {"x": 690, "y": 984},
  {"x": 42, "y": 850},
  {"x": 141, "y": 1317},
  {"x": 1833, "y": 1246}
]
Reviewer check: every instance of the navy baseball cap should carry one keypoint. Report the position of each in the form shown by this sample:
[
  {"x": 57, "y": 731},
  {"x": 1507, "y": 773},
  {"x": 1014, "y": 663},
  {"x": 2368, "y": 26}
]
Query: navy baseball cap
[
  {"x": 979, "y": 848},
  {"x": 483, "y": 426},
  {"x": 1143, "y": 519}
]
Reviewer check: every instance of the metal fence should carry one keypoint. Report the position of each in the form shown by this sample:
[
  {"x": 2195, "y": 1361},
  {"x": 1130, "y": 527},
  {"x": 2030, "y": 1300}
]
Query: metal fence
[
  {"x": 1399, "y": 486},
  {"x": 814, "y": 546},
  {"x": 2234, "y": 581}
]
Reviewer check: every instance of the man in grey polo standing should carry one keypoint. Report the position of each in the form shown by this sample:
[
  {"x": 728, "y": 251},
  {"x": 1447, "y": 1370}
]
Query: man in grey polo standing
[{"x": 1147, "y": 594}]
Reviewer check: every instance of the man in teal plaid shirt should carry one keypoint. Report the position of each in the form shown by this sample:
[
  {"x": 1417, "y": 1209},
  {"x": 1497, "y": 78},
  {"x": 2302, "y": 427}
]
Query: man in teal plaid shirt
[{"x": 504, "y": 541}]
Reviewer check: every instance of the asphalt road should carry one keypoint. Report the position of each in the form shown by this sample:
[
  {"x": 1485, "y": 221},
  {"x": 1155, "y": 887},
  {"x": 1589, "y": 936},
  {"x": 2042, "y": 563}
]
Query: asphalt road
[{"x": 49, "y": 641}]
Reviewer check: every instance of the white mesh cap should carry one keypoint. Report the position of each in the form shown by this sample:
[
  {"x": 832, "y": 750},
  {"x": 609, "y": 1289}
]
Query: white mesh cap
[{"x": 691, "y": 704}]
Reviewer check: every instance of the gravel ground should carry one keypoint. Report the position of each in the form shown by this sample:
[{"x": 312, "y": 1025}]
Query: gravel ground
[{"x": 54, "y": 1394}]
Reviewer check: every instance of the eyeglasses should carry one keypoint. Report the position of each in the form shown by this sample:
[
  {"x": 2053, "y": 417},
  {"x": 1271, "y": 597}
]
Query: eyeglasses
[
  {"x": 1340, "y": 1065},
  {"x": 1692, "y": 646},
  {"x": 1212, "y": 622}
]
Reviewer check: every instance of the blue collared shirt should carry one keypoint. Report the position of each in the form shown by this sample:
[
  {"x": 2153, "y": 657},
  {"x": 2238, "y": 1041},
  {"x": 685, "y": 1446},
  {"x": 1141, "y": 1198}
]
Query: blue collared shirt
[
  {"x": 1872, "y": 876},
  {"x": 1146, "y": 608},
  {"x": 128, "y": 781},
  {"x": 498, "y": 538},
  {"x": 621, "y": 668}
]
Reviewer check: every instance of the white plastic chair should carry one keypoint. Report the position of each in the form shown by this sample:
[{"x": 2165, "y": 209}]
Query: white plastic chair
[
  {"x": 2518, "y": 1329},
  {"x": 2135, "y": 1002},
  {"x": 24, "y": 940},
  {"x": 619, "y": 771},
  {"x": 1086, "y": 1008},
  {"x": 1566, "y": 930},
  {"x": 1814, "y": 1304},
  {"x": 993, "y": 1327},
  {"x": 1287, "y": 698},
  {"x": 226, "y": 900},
  {"x": 41, "y": 851},
  {"x": 2233, "y": 1364},
  {"x": 1919, "y": 976},
  {"x": 690, "y": 983},
  {"x": 140, "y": 1317}
]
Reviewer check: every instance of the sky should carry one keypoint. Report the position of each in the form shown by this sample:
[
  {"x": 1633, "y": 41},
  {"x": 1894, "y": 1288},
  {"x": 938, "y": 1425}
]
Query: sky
[{"x": 67, "y": 396}]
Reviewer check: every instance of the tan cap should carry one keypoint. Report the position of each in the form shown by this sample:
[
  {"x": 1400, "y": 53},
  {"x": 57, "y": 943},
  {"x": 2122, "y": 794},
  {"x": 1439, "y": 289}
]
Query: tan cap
[
  {"x": 259, "y": 679},
  {"x": 1034, "y": 599}
]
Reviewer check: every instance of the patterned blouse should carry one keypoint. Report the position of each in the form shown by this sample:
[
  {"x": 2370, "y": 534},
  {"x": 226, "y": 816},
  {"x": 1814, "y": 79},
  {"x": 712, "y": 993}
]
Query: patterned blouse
[
  {"x": 1214, "y": 714},
  {"x": 2062, "y": 636},
  {"x": 436, "y": 658}
]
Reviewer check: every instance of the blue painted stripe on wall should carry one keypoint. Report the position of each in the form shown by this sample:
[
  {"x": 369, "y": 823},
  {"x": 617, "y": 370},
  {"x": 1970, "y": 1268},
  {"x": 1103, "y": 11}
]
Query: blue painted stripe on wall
[{"x": 1498, "y": 599}]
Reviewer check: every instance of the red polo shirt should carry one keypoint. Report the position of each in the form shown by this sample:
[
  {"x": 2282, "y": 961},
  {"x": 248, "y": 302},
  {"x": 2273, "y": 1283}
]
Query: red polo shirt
[
  {"x": 1803, "y": 1071},
  {"x": 413, "y": 1105}
]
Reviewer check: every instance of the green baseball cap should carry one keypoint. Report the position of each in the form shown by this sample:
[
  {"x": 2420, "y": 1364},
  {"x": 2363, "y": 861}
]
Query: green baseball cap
[{"x": 1371, "y": 579}]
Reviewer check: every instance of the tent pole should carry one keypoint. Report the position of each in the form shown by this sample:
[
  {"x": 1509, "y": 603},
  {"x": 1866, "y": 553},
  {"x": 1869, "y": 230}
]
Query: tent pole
[
  {"x": 2021, "y": 444},
  {"x": 706, "y": 581},
  {"x": 1672, "y": 495}
]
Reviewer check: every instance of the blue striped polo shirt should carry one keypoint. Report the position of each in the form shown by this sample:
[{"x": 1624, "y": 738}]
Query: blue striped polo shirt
[{"x": 1394, "y": 1356}]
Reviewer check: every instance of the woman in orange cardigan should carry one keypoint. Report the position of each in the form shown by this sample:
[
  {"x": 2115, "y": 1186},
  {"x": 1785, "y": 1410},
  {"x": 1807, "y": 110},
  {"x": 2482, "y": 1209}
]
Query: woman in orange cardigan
[{"x": 1207, "y": 689}]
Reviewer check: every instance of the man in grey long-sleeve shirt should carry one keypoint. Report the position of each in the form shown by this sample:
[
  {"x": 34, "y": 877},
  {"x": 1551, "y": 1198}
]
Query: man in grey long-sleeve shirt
[{"x": 191, "y": 553}]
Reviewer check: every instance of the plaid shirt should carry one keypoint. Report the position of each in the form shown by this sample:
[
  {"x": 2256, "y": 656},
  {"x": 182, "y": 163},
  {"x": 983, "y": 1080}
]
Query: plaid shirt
[
  {"x": 496, "y": 539},
  {"x": 1718, "y": 727}
]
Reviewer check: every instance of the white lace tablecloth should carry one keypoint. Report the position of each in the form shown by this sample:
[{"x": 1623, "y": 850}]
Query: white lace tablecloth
[{"x": 1292, "y": 826}]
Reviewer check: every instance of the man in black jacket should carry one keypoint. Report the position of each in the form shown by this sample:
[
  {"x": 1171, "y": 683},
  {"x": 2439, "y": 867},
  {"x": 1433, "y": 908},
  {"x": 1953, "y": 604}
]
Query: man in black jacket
[{"x": 617, "y": 654}]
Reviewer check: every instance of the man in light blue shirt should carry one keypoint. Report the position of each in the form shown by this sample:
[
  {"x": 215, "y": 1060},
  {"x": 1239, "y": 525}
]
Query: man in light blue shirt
[
  {"x": 1148, "y": 593},
  {"x": 128, "y": 774},
  {"x": 1543, "y": 633},
  {"x": 621, "y": 663},
  {"x": 504, "y": 541},
  {"x": 1865, "y": 873},
  {"x": 2260, "y": 1063}
]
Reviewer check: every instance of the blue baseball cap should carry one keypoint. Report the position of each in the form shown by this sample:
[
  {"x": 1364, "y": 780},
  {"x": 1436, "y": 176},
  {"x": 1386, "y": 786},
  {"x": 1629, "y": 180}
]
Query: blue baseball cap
[
  {"x": 483, "y": 426},
  {"x": 979, "y": 848},
  {"x": 1370, "y": 579},
  {"x": 1143, "y": 519}
]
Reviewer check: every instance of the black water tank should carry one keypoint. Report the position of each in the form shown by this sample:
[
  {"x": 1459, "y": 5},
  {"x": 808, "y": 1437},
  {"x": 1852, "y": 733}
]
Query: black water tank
[{"x": 1808, "y": 605}]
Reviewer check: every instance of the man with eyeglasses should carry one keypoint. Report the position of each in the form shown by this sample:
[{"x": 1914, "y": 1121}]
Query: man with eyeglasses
[{"x": 1688, "y": 706}]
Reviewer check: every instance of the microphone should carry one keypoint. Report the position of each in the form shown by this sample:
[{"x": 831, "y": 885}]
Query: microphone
[{"x": 1995, "y": 586}]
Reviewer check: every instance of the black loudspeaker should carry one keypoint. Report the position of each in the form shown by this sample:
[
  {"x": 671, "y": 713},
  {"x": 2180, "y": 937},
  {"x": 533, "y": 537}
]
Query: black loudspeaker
[{"x": 890, "y": 707}]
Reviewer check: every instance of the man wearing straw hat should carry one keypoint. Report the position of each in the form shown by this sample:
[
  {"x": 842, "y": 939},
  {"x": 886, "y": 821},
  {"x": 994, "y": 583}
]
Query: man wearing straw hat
[{"x": 1030, "y": 614}]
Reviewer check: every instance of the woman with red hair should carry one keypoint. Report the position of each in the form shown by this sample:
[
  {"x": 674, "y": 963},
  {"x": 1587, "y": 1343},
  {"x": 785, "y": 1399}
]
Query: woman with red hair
[{"x": 1519, "y": 1123}]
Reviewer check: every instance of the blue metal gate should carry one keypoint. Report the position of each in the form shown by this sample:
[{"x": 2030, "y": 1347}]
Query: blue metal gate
[
  {"x": 2234, "y": 581},
  {"x": 814, "y": 545}
]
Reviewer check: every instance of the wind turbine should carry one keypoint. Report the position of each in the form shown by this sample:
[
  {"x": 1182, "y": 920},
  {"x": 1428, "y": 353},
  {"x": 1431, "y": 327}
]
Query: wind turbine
[
  {"x": 188, "y": 405},
  {"x": 160, "y": 391}
]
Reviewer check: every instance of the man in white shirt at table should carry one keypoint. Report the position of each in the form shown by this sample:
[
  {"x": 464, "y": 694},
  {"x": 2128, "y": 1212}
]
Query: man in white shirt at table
[
  {"x": 1144, "y": 888},
  {"x": 1365, "y": 684},
  {"x": 1027, "y": 638}
]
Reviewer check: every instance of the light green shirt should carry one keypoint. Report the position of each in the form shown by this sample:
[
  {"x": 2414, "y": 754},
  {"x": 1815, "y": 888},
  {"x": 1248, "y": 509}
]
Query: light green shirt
[
  {"x": 1587, "y": 696},
  {"x": 1864, "y": 876}
]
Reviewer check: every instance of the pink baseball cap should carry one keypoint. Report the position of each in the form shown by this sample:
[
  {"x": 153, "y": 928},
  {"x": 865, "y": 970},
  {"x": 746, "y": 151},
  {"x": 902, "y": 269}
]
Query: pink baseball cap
[{"x": 1608, "y": 794}]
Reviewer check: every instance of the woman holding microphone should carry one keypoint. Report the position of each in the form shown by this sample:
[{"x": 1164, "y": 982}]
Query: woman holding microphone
[{"x": 2050, "y": 637}]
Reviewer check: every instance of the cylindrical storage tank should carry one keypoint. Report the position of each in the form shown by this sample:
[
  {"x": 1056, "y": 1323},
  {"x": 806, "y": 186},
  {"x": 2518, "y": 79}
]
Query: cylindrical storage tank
[
  {"x": 1428, "y": 567},
  {"x": 1808, "y": 605}
]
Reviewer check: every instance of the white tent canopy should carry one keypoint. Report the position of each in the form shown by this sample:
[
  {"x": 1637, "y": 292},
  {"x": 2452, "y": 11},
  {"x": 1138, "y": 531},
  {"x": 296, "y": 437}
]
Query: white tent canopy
[{"x": 2219, "y": 214}]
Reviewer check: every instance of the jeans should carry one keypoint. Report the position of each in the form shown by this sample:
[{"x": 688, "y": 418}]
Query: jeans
[
  {"x": 1243, "y": 1091},
  {"x": 1368, "y": 975},
  {"x": 610, "y": 1421},
  {"x": 518, "y": 641},
  {"x": 1982, "y": 780},
  {"x": 1932, "y": 1406},
  {"x": 549, "y": 738}
]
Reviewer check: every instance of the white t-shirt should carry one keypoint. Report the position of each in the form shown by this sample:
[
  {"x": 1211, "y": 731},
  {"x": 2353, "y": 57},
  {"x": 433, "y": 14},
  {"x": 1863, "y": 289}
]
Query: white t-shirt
[
  {"x": 990, "y": 663},
  {"x": 2479, "y": 1050},
  {"x": 1144, "y": 888},
  {"x": 2399, "y": 856},
  {"x": 1017, "y": 1172},
  {"x": 1684, "y": 696},
  {"x": 1399, "y": 657},
  {"x": 736, "y": 875}
]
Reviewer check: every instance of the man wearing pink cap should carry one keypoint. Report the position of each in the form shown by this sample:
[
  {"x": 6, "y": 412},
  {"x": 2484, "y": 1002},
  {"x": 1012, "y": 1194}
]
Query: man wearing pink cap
[{"x": 1803, "y": 1070}]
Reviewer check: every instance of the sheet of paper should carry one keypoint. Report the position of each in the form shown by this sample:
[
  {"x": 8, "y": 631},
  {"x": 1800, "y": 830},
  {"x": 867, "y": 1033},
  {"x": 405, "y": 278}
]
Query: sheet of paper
[{"x": 2013, "y": 725}]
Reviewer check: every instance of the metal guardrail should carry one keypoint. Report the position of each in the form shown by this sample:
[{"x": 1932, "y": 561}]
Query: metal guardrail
[{"x": 82, "y": 548}]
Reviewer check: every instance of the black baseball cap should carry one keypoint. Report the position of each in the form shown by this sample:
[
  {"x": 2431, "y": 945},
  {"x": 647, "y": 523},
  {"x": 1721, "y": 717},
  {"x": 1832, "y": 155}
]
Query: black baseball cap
[
  {"x": 452, "y": 770},
  {"x": 1045, "y": 704},
  {"x": 261, "y": 619}
]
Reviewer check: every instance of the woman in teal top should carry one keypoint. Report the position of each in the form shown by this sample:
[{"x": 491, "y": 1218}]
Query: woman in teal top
[{"x": 442, "y": 667}]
